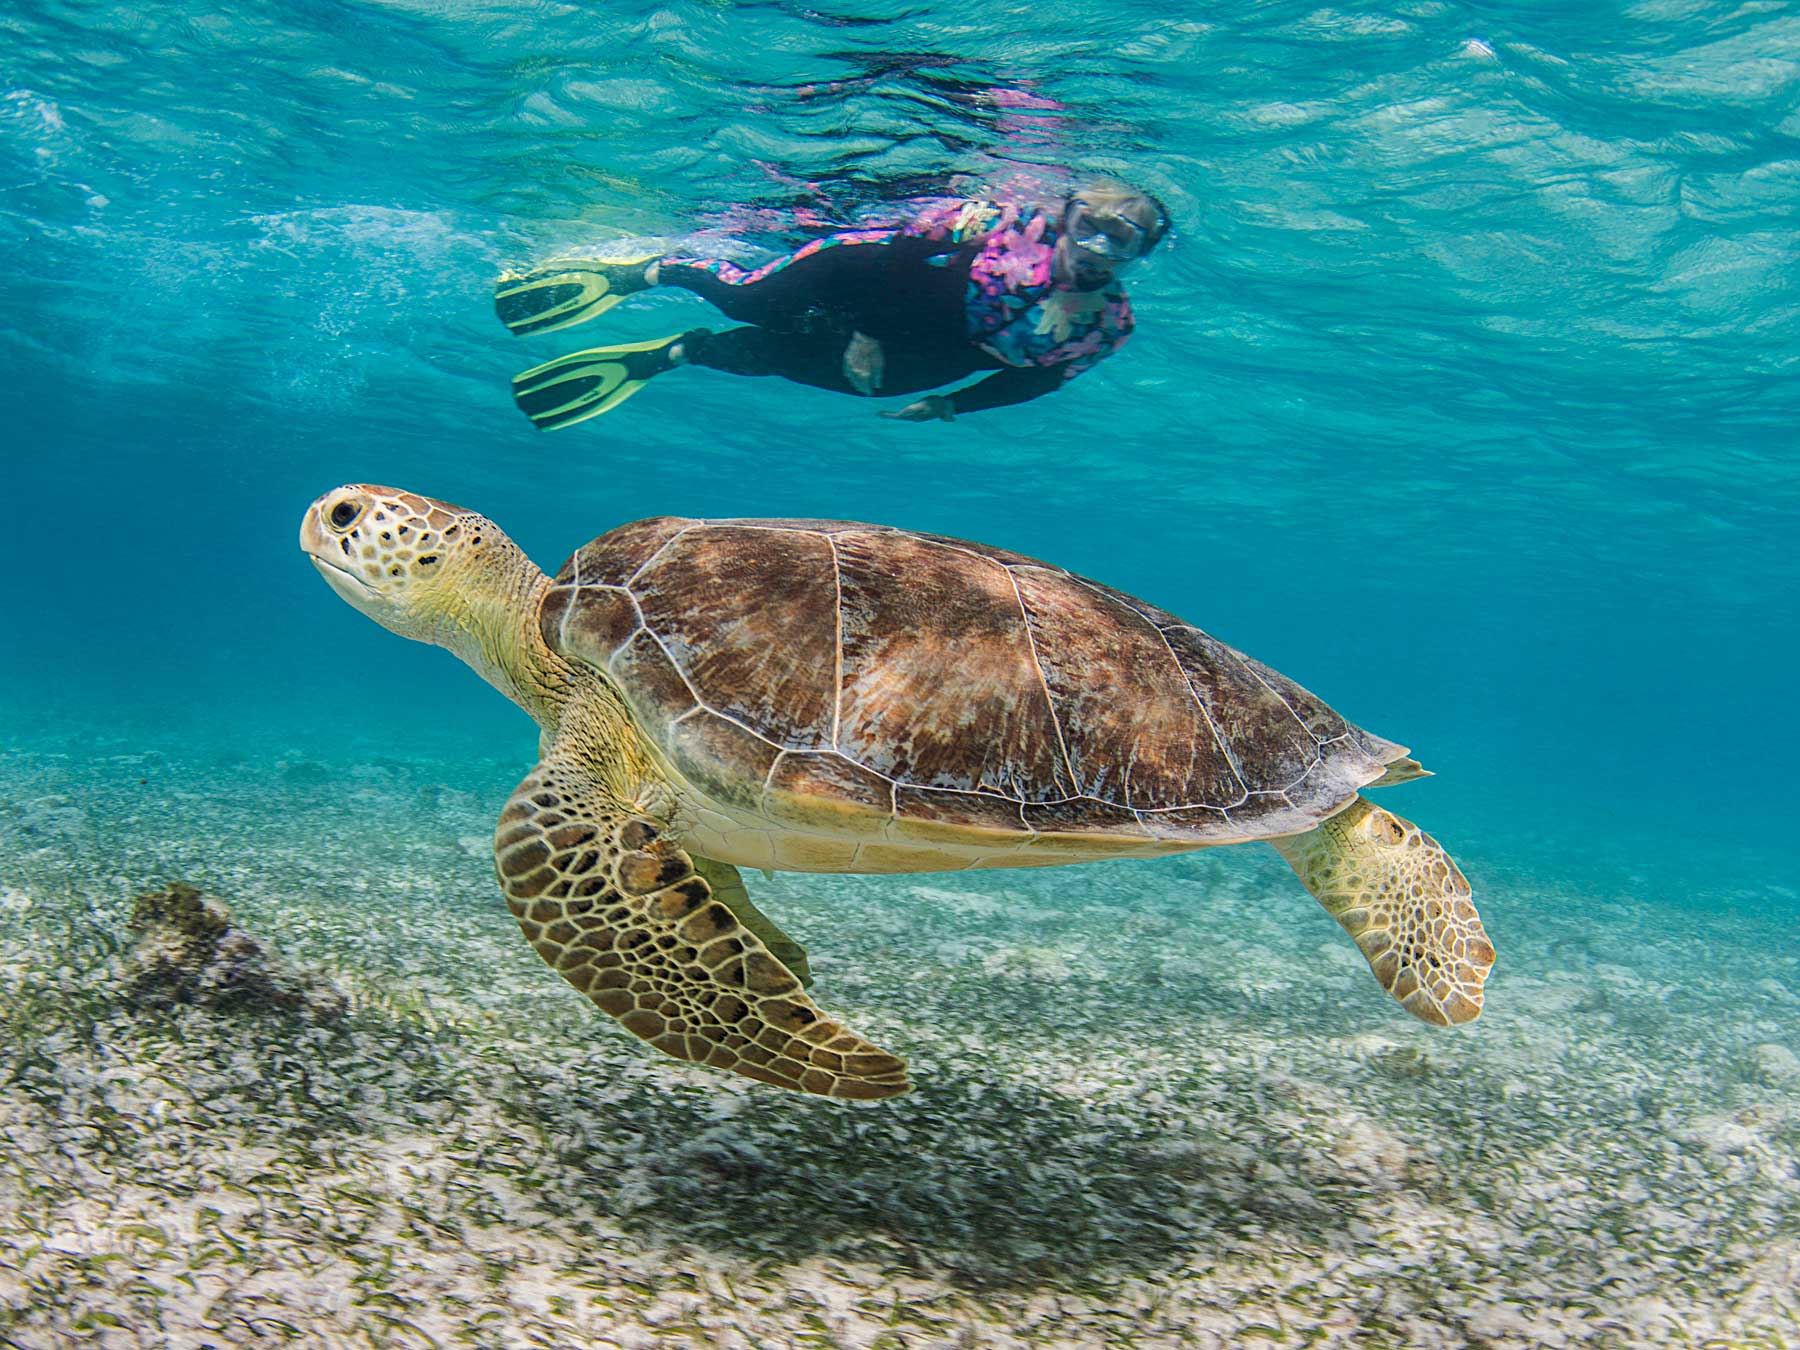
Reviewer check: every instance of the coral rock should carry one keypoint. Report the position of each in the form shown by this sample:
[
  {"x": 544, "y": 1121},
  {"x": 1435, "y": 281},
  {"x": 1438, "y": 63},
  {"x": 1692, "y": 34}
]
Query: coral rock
[{"x": 187, "y": 950}]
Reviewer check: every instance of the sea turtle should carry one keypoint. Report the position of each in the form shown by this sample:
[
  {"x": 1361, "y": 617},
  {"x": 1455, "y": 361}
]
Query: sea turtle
[{"x": 825, "y": 696}]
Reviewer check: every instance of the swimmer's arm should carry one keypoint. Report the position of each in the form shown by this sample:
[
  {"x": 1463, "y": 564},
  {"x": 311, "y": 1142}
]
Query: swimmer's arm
[{"x": 1015, "y": 384}]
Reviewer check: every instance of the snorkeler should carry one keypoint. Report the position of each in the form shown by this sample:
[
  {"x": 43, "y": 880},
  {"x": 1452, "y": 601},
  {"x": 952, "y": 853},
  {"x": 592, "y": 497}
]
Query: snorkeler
[{"x": 1029, "y": 293}]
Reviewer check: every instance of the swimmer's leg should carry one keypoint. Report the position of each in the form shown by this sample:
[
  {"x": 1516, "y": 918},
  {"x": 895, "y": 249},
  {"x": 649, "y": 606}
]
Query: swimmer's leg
[
  {"x": 805, "y": 358},
  {"x": 882, "y": 289},
  {"x": 817, "y": 359},
  {"x": 817, "y": 290}
]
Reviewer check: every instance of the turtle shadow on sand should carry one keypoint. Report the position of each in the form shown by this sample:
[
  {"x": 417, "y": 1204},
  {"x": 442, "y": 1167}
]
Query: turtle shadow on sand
[{"x": 992, "y": 1184}]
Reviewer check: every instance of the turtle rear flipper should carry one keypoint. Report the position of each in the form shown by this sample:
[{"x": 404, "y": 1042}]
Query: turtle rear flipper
[
  {"x": 1405, "y": 902},
  {"x": 621, "y": 913}
]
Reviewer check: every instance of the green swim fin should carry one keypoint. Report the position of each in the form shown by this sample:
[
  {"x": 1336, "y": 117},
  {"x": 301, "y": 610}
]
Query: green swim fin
[
  {"x": 565, "y": 293},
  {"x": 581, "y": 385}
]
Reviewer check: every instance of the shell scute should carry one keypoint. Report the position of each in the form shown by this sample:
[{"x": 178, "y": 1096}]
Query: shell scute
[
  {"x": 770, "y": 663},
  {"x": 1082, "y": 815},
  {"x": 615, "y": 557},
  {"x": 589, "y": 612},
  {"x": 941, "y": 686},
  {"x": 964, "y": 810},
  {"x": 1141, "y": 700},
  {"x": 642, "y": 666},
  {"x": 1248, "y": 712},
  {"x": 799, "y": 781},
  {"x": 721, "y": 756},
  {"x": 590, "y": 621}
]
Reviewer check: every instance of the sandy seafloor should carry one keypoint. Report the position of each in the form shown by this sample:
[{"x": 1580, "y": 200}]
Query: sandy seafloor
[{"x": 1157, "y": 1105}]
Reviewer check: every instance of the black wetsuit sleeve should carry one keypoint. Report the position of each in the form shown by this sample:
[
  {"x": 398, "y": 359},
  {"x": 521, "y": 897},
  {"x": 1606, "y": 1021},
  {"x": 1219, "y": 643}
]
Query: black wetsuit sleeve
[{"x": 1015, "y": 384}]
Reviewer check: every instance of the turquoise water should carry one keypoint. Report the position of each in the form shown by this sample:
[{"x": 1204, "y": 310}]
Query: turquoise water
[{"x": 1464, "y": 393}]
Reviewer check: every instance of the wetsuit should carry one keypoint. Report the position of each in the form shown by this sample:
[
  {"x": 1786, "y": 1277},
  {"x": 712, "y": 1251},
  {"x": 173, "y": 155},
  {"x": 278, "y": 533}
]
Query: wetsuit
[{"x": 962, "y": 288}]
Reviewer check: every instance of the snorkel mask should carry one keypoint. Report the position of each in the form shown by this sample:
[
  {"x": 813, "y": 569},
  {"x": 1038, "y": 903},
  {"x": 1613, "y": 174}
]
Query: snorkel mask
[{"x": 1106, "y": 236}]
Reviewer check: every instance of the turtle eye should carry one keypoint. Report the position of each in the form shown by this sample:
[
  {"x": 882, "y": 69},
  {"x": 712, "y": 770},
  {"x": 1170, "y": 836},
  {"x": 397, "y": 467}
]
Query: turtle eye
[{"x": 344, "y": 513}]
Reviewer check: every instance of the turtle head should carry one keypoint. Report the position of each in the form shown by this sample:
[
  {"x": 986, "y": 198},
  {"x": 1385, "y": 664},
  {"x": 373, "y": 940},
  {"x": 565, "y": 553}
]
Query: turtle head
[
  {"x": 436, "y": 573},
  {"x": 417, "y": 566}
]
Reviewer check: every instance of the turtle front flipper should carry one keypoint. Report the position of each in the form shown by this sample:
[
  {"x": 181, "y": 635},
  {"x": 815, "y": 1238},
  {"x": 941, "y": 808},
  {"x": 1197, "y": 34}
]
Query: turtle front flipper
[
  {"x": 1405, "y": 902},
  {"x": 618, "y": 909},
  {"x": 728, "y": 886}
]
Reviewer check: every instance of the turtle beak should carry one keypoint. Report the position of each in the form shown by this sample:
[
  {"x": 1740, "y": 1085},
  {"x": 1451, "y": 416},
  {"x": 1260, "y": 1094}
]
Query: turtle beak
[
  {"x": 326, "y": 531},
  {"x": 345, "y": 582},
  {"x": 312, "y": 537}
]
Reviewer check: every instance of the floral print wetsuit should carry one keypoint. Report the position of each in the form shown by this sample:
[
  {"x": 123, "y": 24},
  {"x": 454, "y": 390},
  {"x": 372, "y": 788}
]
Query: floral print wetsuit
[
  {"x": 961, "y": 287},
  {"x": 1014, "y": 310}
]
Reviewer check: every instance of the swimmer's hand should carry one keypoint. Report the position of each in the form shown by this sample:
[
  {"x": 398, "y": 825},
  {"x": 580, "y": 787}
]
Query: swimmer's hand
[
  {"x": 939, "y": 406},
  {"x": 864, "y": 363}
]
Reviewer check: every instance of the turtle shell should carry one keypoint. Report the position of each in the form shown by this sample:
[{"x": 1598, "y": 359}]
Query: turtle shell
[{"x": 796, "y": 668}]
